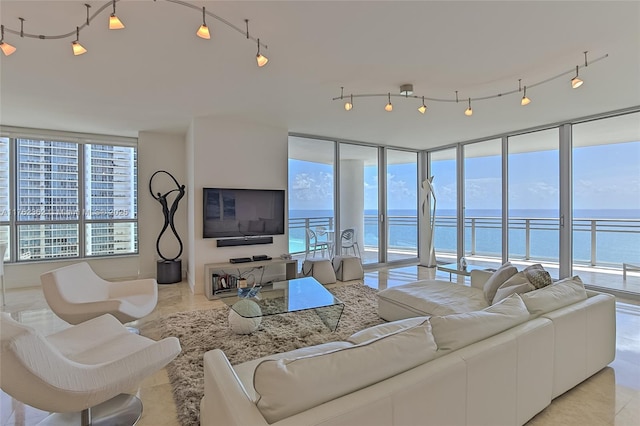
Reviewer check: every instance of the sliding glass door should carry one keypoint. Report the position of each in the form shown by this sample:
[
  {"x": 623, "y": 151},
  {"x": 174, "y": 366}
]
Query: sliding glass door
[
  {"x": 606, "y": 200},
  {"x": 443, "y": 166},
  {"x": 534, "y": 198},
  {"x": 483, "y": 201},
  {"x": 359, "y": 200},
  {"x": 311, "y": 191}
]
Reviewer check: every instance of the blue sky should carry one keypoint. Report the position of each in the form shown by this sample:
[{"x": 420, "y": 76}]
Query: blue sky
[{"x": 605, "y": 177}]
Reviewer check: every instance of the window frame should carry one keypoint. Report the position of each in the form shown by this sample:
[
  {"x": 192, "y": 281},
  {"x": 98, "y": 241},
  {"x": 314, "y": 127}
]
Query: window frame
[{"x": 10, "y": 226}]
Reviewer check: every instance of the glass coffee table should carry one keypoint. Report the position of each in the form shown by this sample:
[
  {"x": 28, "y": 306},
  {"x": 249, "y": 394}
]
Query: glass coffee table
[
  {"x": 283, "y": 297},
  {"x": 454, "y": 268}
]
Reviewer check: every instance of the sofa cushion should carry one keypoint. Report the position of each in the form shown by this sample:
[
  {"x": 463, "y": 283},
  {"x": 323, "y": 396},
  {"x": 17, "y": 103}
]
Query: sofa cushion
[
  {"x": 380, "y": 330},
  {"x": 562, "y": 293},
  {"x": 245, "y": 370},
  {"x": 498, "y": 278},
  {"x": 516, "y": 284},
  {"x": 434, "y": 297},
  {"x": 291, "y": 385},
  {"x": 537, "y": 275},
  {"x": 458, "y": 330}
]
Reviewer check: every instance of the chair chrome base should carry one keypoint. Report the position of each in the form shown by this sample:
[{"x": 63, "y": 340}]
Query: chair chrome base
[{"x": 122, "y": 410}]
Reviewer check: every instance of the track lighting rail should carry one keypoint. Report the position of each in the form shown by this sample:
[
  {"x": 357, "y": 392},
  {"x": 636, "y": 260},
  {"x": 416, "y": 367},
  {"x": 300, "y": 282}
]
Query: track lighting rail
[
  {"x": 90, "y": 17},
  {"x": 350, "y": 96}
]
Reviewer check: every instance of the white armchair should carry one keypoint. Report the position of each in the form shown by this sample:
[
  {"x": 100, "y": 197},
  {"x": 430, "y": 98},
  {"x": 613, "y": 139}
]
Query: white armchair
[
  {"x": 80, "y": 373},
  {"x": 76, "y": 294}
]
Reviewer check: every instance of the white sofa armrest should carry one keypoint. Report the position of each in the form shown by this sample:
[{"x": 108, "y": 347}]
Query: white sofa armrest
[
  {"x": 479, "y": 277},
  {"x": 226, "y": 401}
]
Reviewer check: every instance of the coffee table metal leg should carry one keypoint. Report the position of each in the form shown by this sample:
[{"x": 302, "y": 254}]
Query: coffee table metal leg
[{"x": 330, "y": 315}]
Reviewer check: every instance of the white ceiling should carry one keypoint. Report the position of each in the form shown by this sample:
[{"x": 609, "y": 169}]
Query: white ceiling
[{"x": 156, "y": 75}]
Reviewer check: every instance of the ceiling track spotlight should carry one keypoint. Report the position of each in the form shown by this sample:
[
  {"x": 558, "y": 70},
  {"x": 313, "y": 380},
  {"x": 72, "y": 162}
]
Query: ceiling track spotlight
[
  {"x": 525, "y": 100},
  {"x": 422, "y": 108},
  {"x": 203, "y": 31},
  {"x": 576, "y": 81},
  {"x": 348, "y": 106},
  {"x": 468, "y": 112},
  {"x": 115, "y": 24},
  {"x": 406, "y": 91},
  {"x": 388, "y": 107},
  {"x": 78, "y": 49},
  {"x": 7, "y": 49}
]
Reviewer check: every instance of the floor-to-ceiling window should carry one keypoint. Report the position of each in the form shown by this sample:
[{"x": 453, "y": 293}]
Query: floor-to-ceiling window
[
  {"x": 483, "y": 199},
  {"x": 606, "y": 197},
  {"x": 534, "y": 197},
  {"x": 402, "y": 205},
  {"x": 311, "y": 192},
  {"x": 359, "y": 201},
  {"x": 65, "y": 198},
  {"x": 443, "y": 165}
]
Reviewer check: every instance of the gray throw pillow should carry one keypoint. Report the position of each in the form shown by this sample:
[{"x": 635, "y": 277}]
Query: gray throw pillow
[
  {"x": 537, "y": 275},
  {"x": 503, "y": 273}
]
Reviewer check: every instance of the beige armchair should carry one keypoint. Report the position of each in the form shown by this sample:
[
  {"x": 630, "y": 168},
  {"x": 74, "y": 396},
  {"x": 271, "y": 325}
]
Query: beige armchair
[
  {"x": 76, "y": 294},
  {"x": 80, "y": 373}
]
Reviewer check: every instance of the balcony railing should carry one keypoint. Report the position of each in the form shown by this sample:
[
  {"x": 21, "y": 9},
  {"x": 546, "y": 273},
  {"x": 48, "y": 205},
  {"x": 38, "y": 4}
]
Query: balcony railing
[{"x": 597, "y": 241}]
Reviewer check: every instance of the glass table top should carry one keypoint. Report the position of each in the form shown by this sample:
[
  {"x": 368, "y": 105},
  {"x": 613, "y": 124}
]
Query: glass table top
[{"x": 294, "y": 295}]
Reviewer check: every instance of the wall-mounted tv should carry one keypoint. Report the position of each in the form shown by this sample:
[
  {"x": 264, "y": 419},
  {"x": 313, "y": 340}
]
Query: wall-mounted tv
[{"x": 232, "y": 212}]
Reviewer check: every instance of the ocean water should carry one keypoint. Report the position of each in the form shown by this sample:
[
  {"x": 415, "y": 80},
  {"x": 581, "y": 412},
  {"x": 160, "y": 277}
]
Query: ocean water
[{"x": 617, "y": 236}]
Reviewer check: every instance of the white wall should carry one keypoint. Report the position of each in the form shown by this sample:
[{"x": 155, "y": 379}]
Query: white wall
[
  {"x": 156, "y": 151},
  {"x": 159, "y": 151},
  {"x": 233, "y": 153}
]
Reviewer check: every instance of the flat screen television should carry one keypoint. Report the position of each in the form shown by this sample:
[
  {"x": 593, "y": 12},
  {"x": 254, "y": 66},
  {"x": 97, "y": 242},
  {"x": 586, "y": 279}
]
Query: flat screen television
[{"x": 230, "y": 212}]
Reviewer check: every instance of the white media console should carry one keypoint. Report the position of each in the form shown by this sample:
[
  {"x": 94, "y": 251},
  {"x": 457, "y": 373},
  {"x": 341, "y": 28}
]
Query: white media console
[{"x": 215, "y": 273}]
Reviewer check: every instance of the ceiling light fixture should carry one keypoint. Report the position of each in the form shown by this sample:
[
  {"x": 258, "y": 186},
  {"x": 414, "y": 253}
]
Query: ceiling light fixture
[
  {"x": 422, "y": 108},
  {"x": 348, "y": 106},
  {"x": 78, "y": 49},
  {"x": 406, "y": 91},
  {"x": 260, "y": 58},
  {"x": 114, "y": 22},
  {"x": 575, "y": 81},
  {"x": 388, "y": 107},
  {"x": 524, "y": 101},
  {"x": 7, "y": 49},
  {"x": 203, "y": 31},
  {"x": 468, "y": 112}
]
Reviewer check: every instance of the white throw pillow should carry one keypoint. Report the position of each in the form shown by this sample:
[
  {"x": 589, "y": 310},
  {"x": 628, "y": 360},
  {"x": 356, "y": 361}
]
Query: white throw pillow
[
  {"x": 498, "y": 278},
  {"x": 516, "y": 284},
  {"x": 458, "y": 330},
  {"x": 555, "y": 296},
  {"x": 286, "y": 386}
]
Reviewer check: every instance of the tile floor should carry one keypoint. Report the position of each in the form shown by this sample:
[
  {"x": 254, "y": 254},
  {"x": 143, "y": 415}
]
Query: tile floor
[{"x": 611, "y": 397}]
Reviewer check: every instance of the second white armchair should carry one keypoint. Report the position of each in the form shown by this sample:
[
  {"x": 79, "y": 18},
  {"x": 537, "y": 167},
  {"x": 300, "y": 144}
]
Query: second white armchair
[{"x": 76, "y": 294}]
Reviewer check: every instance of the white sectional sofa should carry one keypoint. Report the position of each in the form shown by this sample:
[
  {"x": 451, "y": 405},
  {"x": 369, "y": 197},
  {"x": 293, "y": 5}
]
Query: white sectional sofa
[{"x": 496, "y": 366}]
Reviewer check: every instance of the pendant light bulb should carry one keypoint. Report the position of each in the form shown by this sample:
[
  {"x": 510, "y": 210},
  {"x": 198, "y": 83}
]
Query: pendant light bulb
[
  {"x": 349, "y": 104},
  {"x": 525, "y": 100},
  {"x": 576, "y": 82},
  {"x": 7, "y": 49},
  {"x": 78, "y": 49},
  {"x": 203, "y": 31},
  {"x": 468, "y": 112},
  {"x": 389, "y": 107},
  {"x": 422, "y": 108},
  {"x": 260, "y": 58},
  {"x": 114, "y": 22}
]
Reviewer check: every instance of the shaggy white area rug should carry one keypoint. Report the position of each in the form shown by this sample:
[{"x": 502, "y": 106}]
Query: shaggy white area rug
[{"x": 202, "y": 331}]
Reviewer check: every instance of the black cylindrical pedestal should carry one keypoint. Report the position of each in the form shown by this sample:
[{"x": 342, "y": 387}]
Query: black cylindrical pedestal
[{"x": 169, "y": 271}]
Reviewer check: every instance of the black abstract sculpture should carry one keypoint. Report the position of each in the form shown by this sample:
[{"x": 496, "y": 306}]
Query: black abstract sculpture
[{"x": 169, "y": 269}]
